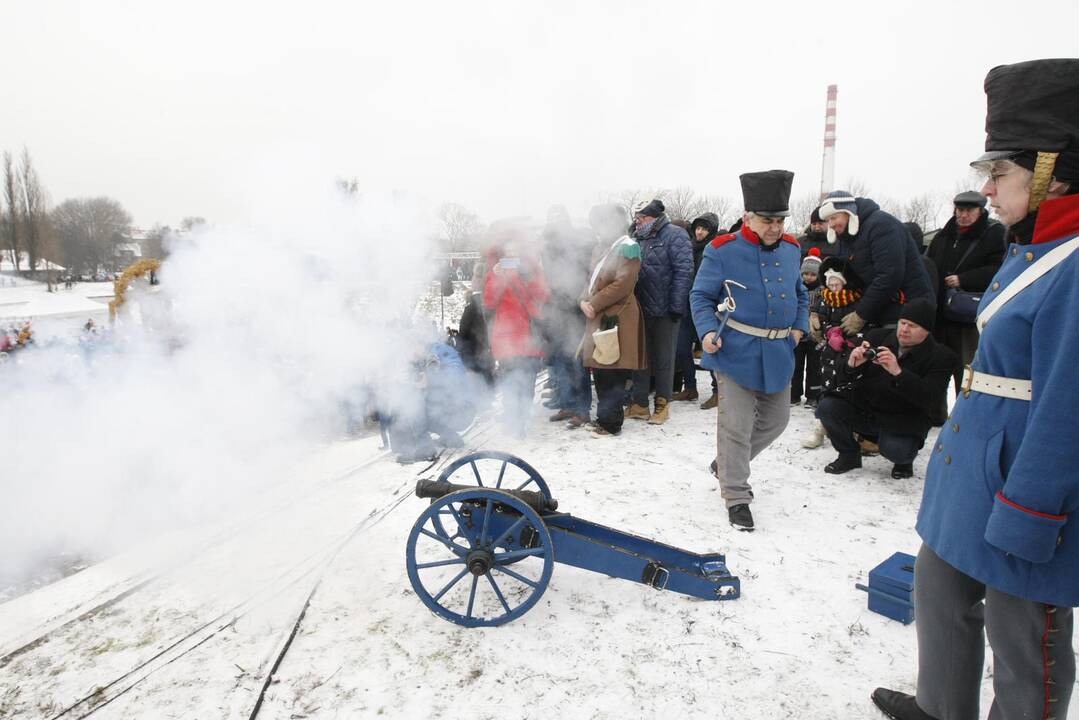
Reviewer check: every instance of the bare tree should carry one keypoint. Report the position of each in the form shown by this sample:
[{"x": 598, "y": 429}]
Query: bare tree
[
  {"x": 89, "y": 229},
  {"x": 349, "y": 187},
  {"x": 461, "y": 227},
  {"x": 155, "y": 244},
  {"x": 191, "y": 222},
  {"x": 801, "y": 208},
  {"x": 925, "y": 209},
  {"x": 10, "y": 220},
  {"x": 34, "y": 208}
]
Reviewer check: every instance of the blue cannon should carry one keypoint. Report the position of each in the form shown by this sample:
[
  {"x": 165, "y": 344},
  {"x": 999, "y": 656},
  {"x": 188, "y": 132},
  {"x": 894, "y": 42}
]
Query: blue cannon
[{"x": 483, "y": 552}]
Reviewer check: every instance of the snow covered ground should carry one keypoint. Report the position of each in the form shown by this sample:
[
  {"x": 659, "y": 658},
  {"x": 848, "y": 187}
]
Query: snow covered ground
[
  {"x": 60, "y": 313},
  {"x": 206, "y": 612}
]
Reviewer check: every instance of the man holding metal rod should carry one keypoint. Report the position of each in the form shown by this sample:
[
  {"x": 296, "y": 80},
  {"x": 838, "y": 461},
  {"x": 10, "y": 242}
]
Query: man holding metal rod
[{"x": 751, "y": 309}]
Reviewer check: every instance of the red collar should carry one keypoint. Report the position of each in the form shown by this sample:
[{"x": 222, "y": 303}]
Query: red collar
[
  {"x": 756, "y": 239},
  {"x": 1057, "y": 218}
]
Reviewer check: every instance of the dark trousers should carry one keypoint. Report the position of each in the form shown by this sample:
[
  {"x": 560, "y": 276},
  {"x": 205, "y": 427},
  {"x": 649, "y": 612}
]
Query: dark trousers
[
  {"x": 610, "y": 385},
  {"x": 807, "y": 365},
  {"x": 683, "y": 353},
  {"x": 573, "y": 387},
  {"x": 962, "y": 339},
  {"x": 841, "y": 419},
  {"x": 1033, "y": 661},
  {"x": 660, "y": 334}
]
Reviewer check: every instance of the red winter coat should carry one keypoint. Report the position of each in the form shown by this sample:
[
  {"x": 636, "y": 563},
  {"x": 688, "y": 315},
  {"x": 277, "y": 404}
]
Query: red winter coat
[{"x": 517, "y": 301}]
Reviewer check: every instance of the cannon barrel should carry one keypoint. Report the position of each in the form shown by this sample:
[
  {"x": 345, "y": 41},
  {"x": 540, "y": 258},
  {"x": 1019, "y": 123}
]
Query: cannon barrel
[{"x": 434, "y": 489}]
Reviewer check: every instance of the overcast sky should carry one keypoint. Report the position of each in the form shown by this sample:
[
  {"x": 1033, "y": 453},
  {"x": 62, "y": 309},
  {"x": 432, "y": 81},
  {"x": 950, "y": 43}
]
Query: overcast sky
[{"x": 187, "y": 108}]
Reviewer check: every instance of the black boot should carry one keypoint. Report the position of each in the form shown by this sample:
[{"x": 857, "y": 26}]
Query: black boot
[
  {"x": 741, "y": 517},
  {"x": 843, "y": 463},
  {"x": 901, "y": 471},
  {"x": 898, "y": 706}
]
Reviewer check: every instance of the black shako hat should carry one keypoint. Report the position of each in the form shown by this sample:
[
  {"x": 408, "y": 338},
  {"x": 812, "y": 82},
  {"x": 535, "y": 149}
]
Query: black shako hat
[
  {"x": 1033, "y": 107},
  {"x": 767, "y": 193}
]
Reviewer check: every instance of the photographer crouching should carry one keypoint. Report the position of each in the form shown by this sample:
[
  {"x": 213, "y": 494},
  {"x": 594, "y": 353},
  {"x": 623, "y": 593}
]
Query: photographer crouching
[{"x": 892, "y": 388}]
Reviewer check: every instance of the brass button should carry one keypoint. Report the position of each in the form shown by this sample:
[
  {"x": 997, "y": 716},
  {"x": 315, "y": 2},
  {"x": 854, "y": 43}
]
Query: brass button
[
  {"x": 780, "y": 279},
  {"x": 1015, "y": 251},
  {"x": 1029, "y": 257},
  {"x": 947, "y": 459},
  {"x": 777, "y": 263},
  {"x": 955, "y": 428},
  {"x": 996, "y": 286},
  {"x": 764, "y": 264},
  {"x": 769, "y": 295},
  {"x": 783, "y": 296},
  {"x": 765, "y": 279},
  {"x": 940, "y": 446}
]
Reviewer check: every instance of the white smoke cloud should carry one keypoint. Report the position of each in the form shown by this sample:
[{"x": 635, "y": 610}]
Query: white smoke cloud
[{"x": 217, "y": 383}]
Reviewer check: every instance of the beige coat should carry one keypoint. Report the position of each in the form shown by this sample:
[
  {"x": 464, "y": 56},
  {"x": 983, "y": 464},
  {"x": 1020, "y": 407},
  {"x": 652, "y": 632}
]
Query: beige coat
[{"x": 613, "y": 295}]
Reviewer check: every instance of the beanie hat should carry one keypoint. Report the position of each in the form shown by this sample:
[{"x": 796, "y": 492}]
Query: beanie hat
[
  {"x": 811, "y": 264},
  {"x": 829, "y": 274},
  {"x": 653, "y": 208},
  {"x": 839, "y": 201},
  {"x": 814, "y": 251},
  {"x": 920, "y": 312}
]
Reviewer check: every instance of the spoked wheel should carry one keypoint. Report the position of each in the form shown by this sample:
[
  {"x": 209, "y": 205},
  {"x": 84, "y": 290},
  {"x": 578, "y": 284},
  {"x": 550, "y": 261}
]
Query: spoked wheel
[
  {"x": 491, "y": 469},
  {"x": 459, "y": 566}
]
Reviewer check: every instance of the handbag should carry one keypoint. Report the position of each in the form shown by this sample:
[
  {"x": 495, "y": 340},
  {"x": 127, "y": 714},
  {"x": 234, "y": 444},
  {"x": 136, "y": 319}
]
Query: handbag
[
  {"x": 961, "y": 306},
  {"x": 606, "y": 350}
]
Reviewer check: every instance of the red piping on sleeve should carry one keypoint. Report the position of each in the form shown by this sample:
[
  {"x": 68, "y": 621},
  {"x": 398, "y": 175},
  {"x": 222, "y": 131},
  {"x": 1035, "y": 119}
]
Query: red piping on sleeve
[{"x": 1047, "y": 516}]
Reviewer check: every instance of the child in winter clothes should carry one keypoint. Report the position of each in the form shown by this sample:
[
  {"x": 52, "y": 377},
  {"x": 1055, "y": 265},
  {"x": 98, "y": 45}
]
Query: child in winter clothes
[
  {"x": 836, "y": 299},
  {"x": 806, "y": 354}
]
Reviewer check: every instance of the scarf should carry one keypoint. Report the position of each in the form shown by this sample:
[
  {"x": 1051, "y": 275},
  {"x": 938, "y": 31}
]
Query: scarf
[{"x": 840, "y": 298}]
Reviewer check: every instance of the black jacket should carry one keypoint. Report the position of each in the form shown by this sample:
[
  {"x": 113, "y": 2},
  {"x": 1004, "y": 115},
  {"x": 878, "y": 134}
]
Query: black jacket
[
  {"x": 709, "y": 221},
  {"x": 980, "y": 264},
  {"x": 810, "y": 239},
  {"x": 884, "y": 255},
  {"x": 912, "y": 401}
]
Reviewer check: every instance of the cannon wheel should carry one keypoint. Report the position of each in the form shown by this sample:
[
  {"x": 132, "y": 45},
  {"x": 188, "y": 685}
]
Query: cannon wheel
[
  {"x": 466, "y": 471},
  {"x": 481, "y": 590}
]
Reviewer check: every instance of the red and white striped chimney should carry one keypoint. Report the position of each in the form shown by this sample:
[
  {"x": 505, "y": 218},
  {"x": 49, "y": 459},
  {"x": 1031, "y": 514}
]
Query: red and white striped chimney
[{"x": 827, "y": 175}]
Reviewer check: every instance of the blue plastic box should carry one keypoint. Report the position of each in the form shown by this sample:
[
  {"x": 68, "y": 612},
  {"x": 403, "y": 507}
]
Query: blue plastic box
[{"x": 891, "y": 588}]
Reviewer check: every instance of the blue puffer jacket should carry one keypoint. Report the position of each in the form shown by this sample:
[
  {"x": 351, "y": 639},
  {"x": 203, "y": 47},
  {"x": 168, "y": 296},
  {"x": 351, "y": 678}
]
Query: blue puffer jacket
[
  {"x": 885, "y": 257},
  {"x": 666, "y": 269},
  {"x": 1001, "y": 498}
]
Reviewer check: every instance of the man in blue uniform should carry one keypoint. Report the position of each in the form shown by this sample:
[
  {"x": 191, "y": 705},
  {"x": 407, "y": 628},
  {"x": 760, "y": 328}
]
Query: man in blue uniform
[
  {"x": 751, "y": 280},
  {"x": 999, "y": 518}
]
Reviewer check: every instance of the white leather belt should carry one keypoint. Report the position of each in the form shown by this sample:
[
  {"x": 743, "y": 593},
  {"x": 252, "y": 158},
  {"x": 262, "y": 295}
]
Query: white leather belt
[
  {"x": 1005, "y": 387},
  {"x": 766, "y": 333}
]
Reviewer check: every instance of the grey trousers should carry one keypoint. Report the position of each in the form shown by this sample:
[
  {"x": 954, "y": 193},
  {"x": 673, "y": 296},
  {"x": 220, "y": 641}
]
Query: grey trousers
[
  {"x": 660, "y": 334},
  {"x": 1033, "y": 662},
  {"x": 747, "y": 421}
]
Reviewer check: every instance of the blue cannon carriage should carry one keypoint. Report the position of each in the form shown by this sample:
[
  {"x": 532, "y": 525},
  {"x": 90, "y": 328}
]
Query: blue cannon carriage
[{"x": 483, "y": 552}]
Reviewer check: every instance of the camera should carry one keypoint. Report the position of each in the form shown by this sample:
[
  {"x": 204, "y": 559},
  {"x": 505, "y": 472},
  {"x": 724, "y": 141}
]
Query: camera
[{"x": 870, "y": 354}]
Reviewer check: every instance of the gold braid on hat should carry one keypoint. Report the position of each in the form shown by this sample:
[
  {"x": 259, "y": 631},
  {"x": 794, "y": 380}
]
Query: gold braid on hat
[{"x": 1043, "y": 175}]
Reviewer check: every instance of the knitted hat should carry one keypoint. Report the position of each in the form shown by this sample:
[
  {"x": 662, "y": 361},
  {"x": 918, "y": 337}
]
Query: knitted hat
[
  {"x": 839, "y": 201},
  {"x": 652, "y": 208},
  {"x": 811, "y": 264},
  {"x": 840, "y": 267},
  {"x": 920, "y": 312}
]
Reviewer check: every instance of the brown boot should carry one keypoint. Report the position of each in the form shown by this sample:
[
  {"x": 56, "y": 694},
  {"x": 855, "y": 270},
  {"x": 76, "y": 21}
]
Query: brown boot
[
  {"x": 710, "y": 403},
  {"x": 577, "y": 421},
  {"x": 561, "y": 415},
  {"x": 637, "y": 412},
  {"x": 663, "y": 411},
  {"x": 683, "y": 395}
]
